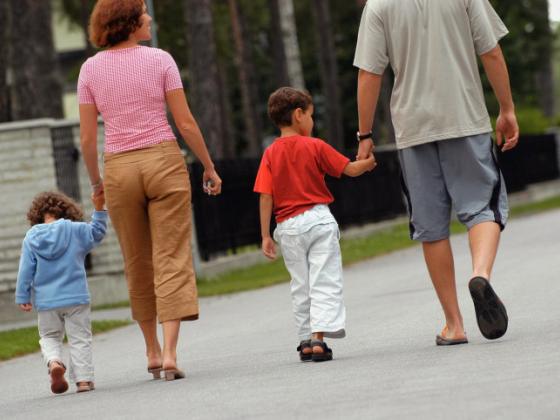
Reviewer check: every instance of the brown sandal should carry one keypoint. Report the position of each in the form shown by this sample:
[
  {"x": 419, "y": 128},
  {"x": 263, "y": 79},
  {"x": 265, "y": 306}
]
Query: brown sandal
[
  {"x": 172, "y": 374},
  {"x": 58, "y": 382},
  {"x": 155, "y": 371},
  {"x": 85, "y": 386}
]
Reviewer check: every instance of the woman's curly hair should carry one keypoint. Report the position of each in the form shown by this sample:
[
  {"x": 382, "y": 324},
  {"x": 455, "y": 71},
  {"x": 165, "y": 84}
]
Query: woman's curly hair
[
  {"x": 57, "y": 204},
  {"x": 112, "y": 21}
]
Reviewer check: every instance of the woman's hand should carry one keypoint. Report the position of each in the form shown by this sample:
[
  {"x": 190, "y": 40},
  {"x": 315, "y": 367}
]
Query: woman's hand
[{"x": 211, "y": 182}]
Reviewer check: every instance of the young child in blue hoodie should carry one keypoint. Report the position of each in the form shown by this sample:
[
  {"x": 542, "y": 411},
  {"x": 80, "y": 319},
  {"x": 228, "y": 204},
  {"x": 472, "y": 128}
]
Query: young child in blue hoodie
[{"x": 52, "y": 278}]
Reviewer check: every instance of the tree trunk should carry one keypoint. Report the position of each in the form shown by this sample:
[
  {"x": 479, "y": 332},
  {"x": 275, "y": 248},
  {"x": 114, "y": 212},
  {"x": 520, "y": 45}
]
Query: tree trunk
[
  {"x": 230, "y": 150},
  {"x": 37, "y": 87},
  {"x": 244, "y": 63},
  {"x": 383, "y": 130},
  {"x": 290, "y": 40},
  {"x": 4, "y": 44},
  {"x": 328, "y": 71},
  {"x": 203, "y": 75},
  {"x": 85, "y": 10},
  {"x": 545, "y": 74},
  {"x": 277, "y": 45}
]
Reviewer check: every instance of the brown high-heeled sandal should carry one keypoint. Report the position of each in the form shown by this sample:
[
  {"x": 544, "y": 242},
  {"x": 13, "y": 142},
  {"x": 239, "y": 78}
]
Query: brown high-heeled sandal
[
  {"x": 172, "y": 374},
  {"x": 155, "y": 371}
]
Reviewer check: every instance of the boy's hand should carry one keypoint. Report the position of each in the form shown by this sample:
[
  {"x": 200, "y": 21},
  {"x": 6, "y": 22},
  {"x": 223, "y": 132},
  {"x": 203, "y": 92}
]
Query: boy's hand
[
  {"x": 371, "y": 162},
  {"x": 98, "y": 201},
  {"x": 26, "y": 307},
  {"x": 269, "y": 248}
]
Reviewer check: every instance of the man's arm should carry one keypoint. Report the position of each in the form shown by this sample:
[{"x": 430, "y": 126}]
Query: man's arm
[
  {"x": 506, "y": 125},
  {"x": 369, "y": 86},
  {"x": 265, "y": 206}
]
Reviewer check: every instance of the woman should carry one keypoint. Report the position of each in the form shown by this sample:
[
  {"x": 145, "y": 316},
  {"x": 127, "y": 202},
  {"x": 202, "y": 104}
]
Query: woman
[{"x": 146, "y": 183}]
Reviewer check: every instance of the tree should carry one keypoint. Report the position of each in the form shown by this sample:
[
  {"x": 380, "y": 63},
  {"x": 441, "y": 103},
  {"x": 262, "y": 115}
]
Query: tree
[
  {"x": 528, "y": 51},
  {"x": 545, "y": 75},
  {"x": 205, "y": 83},
  {"x": 36, "y": 90},
  {"x": 244, "y": 63},
  {"x": 277, "y": 46},
  {"x": 288, "y": 30},
  {"x": 4, "y": 44},
  {"x": 78, "y": 12},
  {"x": 328, "y": 71}
]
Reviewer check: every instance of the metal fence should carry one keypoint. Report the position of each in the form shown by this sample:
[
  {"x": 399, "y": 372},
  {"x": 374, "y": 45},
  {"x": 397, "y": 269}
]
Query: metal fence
[
  {"x": 231, "y": 220},
  {"x": 535, "y": 159},
  {"x": 66, "y": 157}
]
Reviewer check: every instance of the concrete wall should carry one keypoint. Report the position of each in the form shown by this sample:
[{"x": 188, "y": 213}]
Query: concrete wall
[{"x": 27, "y": 167}]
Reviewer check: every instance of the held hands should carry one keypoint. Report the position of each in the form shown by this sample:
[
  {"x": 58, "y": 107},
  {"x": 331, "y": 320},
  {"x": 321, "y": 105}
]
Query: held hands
[
  {"x": 26, "y": 307},
  {"x": 365, "y": 153},
  {"x": 507, "y": 131},
  {"x": 269, "y": 248},
  {"x": 98, "y": 201},
  {"x": 370, "y": 163},
  {"x": 365, "y": 149},
  {"x": 98, "y": 187},
  {"x": 211, "y": 182}
]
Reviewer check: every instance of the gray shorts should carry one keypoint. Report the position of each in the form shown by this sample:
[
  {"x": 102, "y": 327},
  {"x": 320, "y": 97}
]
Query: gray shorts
[{"x": 462, "y": 173}]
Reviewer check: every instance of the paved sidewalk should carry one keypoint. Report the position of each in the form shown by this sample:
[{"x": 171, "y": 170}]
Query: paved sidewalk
[{"x": 241, "y": 362}]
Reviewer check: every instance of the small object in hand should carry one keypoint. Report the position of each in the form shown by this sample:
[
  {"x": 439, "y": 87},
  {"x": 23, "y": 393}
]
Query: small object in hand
[{"x": 207, "y": 185}]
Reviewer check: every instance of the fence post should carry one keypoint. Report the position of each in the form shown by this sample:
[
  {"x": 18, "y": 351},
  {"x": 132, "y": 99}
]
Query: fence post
[{"x": 194, "y": 245}]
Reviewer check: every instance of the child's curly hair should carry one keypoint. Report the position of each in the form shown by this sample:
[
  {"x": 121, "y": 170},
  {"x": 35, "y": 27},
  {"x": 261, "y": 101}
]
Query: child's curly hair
[{"x": 57, "y": 204}]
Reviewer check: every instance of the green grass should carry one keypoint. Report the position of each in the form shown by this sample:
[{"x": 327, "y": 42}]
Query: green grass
[
  {"x": 353, "y": 250},
  {"x": 22, "y": 341},
  {"x": 536, "y": 207}
]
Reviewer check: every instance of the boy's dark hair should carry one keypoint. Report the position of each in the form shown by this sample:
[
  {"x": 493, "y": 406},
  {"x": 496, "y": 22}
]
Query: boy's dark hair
[
  {"x": 284, "y": 101},
  {"x": 57, "y": 204}
]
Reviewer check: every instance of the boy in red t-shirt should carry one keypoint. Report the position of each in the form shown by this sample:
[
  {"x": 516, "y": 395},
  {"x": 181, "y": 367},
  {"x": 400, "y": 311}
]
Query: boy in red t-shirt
[{"x": 291, "y": 182}]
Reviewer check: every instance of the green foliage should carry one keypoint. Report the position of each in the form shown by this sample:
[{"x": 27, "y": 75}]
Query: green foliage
[
  {"x": 532, "y": 121},
  {"x": 527, "y": 49},
  {"x": 22, "y": 341}
]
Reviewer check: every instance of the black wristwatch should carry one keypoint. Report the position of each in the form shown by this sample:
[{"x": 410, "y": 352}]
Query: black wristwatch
[{"x": 366, "y": 136}]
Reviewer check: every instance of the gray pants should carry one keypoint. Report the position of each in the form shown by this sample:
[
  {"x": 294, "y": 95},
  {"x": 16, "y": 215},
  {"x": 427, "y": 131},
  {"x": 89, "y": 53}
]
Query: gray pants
[
  {"x": 75, "y": 321},
  {"x": 461, "y": 173}
]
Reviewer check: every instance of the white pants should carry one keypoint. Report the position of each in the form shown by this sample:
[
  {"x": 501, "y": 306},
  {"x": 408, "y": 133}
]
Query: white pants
[
  {"x": 315, "y": 265},
  {"x": 75, "y": 321}
]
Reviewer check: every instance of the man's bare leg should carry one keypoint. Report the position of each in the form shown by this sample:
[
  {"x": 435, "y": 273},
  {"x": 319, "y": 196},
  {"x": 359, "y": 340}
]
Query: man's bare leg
[
  {"x": 484, "y": 239},
  {"x": 439, "y": 260}
]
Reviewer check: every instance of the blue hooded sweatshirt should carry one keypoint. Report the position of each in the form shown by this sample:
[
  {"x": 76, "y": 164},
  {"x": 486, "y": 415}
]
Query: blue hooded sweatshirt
[{"x": 52, "y": 262}]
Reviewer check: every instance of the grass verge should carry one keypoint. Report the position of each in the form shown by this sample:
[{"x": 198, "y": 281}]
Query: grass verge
[
  {"x": 353, "y": 250},
  {"x": 22, "y": 341}
]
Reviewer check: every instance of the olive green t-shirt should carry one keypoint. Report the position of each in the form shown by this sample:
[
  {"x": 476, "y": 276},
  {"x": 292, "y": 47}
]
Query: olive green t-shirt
[{"x": 432, "y": 47}]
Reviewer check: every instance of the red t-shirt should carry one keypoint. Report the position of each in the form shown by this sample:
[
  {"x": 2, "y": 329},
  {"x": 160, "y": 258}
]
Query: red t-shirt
[{"x": 293, "y": 171}]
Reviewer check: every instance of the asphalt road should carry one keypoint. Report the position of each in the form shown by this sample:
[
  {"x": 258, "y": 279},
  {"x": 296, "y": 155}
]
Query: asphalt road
[{"x": 241, "y": 361}]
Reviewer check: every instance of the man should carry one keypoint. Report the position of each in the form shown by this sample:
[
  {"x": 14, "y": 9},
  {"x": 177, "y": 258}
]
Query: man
[{"x": 443, "y": 134}]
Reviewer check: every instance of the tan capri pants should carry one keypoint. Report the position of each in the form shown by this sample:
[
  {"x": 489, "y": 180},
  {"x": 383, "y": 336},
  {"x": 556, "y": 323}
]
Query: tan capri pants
[{"x": 148, "y": 196}]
